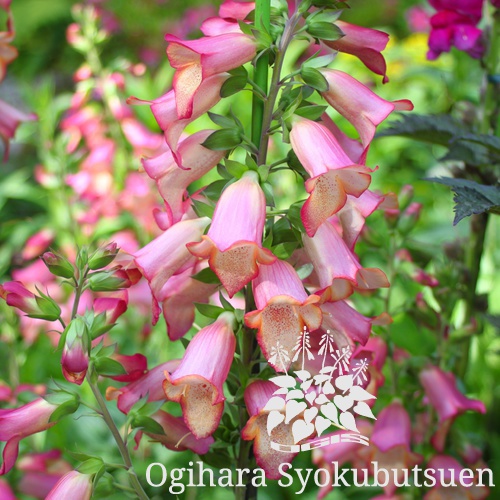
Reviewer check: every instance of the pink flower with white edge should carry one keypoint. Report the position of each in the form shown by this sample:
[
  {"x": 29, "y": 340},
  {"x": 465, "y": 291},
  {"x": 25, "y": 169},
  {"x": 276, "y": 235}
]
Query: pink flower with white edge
[
  {"x": 173, "y": 181},
  {"x": 72, "y": 485},
  {"x": 338, "y": 269},
  {"x": 390, "y": 444},
  {"x": 150, "y": 384},
  {"x": 443, "y": 394},
  {"x": 358, "y": 104},
  {"x": 364, "y": 43},
  {"x": 233, "y": 244},
  {"x": 284, "y": 309},
  {"x": 167, "y": 254},
  {"x": 177, "y": 436},
  {"x": 18, "y": 423},
  {"x": 333, "y": 174},
  {"x": 257, "y": 395},
  {"x": 182, "y": 292},
  {"x": 165, "y": 111},
  {"x": 196, "y": 60},
  {"x": 197, "y": 384},
  {"x": 445, "y": 471}
]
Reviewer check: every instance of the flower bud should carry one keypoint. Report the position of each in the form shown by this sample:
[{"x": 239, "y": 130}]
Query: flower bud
[
  {"x": 103, "y": 256},
  {"x": 406, "y": 196},
  {"x": 58, "y": 265},
  {"x": 107, "y": 281},
  {"x": 409, "y": 218},
  {"x": 75, "y": 356}
]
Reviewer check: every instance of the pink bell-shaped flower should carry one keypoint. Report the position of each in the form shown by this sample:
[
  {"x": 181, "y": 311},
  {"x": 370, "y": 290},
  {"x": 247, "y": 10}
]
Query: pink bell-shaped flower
[{"x": 72, "y": 485}]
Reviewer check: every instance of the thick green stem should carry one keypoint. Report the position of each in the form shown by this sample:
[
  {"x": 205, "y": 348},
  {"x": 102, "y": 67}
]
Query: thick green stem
[
  {"x": 134, "y": 480},
  {"x": 262, "y": 21}
]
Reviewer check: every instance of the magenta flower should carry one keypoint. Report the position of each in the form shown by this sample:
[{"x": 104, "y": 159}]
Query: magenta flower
[
  {"x": 165, "y": 111},
  {"x": 72, "y": 485},
  {"x": 358, "y": 104},
  {"x": 173, "y": 181},
  {"x": 337, "y": 268},
  {"x": 177, "y": 436},
  {"x": 257, "y": 395},
  {"x": 196, "y": 60},
  {"x": 390, "y": 443},
  {"x": 37, "y": 244},
  {"x": 197, "y": 384},
  {"x": 75, "y": 361},
  {"x": 18, "y": 423},
  {"x": 10, "y": 118},
  {"x": 150, "y": 384},
  {"x": 6, "y": 492},
  {"x": 233, "y": 244},
  {"x": 333, "y": 174},
  {"x": 167, "y": 254},
  {"x": 443, "y": 394},
  {"x": 113, "y": 307},
  {"x": 283, "y": 309},
  {"x": 135, "y": 365},
  {"x": 364, "y": 43}
]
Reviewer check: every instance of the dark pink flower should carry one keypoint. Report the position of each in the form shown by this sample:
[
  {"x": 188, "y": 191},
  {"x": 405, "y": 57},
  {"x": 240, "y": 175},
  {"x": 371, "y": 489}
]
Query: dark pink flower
[{"x": 10, "y": 118}]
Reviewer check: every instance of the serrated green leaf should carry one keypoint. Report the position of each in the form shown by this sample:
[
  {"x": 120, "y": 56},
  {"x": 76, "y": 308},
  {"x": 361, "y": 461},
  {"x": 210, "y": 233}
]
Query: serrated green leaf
[
  {"x": 325, "y": 31},
  {"x": 471, "y": 197},
  {"x": 207, "y": 276},
  {"x": 208, "y": 310},
  {"x": 233, "y": 85},
  {"x": 314, "y": 79},
  {"x": 221, "y": 140}
]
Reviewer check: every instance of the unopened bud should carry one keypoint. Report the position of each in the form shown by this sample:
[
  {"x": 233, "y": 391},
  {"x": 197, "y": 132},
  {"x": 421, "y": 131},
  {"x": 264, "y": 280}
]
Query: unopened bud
[
  {"x": 106, "y": 282},
  {"x": 103, "y": 256},
  {"x": 75, "y": 356},
  {"x": 58, "y": 265},
  {"x": 406, "y": 196},
  {"x": 409, "y": 218}
]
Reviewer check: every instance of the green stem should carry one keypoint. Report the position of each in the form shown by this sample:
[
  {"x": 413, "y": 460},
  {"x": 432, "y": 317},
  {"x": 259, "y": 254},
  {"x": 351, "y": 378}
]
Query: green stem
[
  {"x": 262, "y": 21},
  {"x": 134, "y": 480}
]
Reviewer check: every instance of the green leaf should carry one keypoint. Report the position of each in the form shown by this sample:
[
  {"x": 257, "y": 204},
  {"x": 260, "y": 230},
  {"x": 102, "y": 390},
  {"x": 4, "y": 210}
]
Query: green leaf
[
  {"x": 109, "y": 367},
  {"x": 471, "y": 197},
  {"x": 235, "y": 168},
  {"x": 222, "y": 121},
  {"x": 325, "y": 31},
  {"x": 319, "y": 62},
  {"x": 233, "y": 85},
  {"x": 220, "y": 140},
  {"x": 491, "y": 142},
  {"x": 314, "y": 79},
  {"x": 91, "y": 466},
  {"x": 67, "y": 408},
  {"x": 436, "y": 129},
  {"x": 207, "y": 276},
  {"x": 213, "y": 190},
  {"x": 147, "y": 424},
  {"x": 202, "y": 209},
  {"x": 284, "y": 250},
  {"x": 227, "y": 306},
  {"x": 294, "y": 215},
  {"x": 311, "y": 112},
  {"x": 209, "y": 310}
]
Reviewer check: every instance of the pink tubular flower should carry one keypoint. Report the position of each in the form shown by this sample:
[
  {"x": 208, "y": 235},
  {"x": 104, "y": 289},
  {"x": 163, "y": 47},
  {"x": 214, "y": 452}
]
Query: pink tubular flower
[
  {"x": 197, "y": 383},
  {"x": 72, "y": 485},
  {"x": 41, "y": 472},
  {"x": 364, "y": 43},
  {"x": 181, "y": 293},
  {"x": 333, "y": 174},
  {"x": 390, "y": 444},
  {"x": 6, "y": 492},
  {"x": 167, "y": 254},
  {"x": 443, "y": 394},
  {"x": 173, "y": 181},
  {"x": 37, "y": 244},
  {"x": 358, "y": 104},
  {"x": 196, "y": 60},
  {"x": 337, "y": 268},
  {"x": 113, "y": 307},
  {"x": 10, "y": 118},
  {"x": 149, "y": 383},
  {"x": 165, "y": 111},
  {"x": 233, "y": 243},
  {"x": 283, "y": 309},
  {"x": 135, "y": 365},
  {"x": 18, "y": 423},
  {"x": 177, "y": 436},
  {"x": 257, "y": 395}
]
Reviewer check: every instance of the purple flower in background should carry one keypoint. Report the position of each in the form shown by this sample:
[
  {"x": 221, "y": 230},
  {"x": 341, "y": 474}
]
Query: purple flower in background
[{"x": 455, "y": 25}]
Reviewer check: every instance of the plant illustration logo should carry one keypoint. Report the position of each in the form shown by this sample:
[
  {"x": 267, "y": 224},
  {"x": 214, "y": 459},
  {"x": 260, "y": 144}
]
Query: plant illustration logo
[{"x": 312, "y": 404}]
